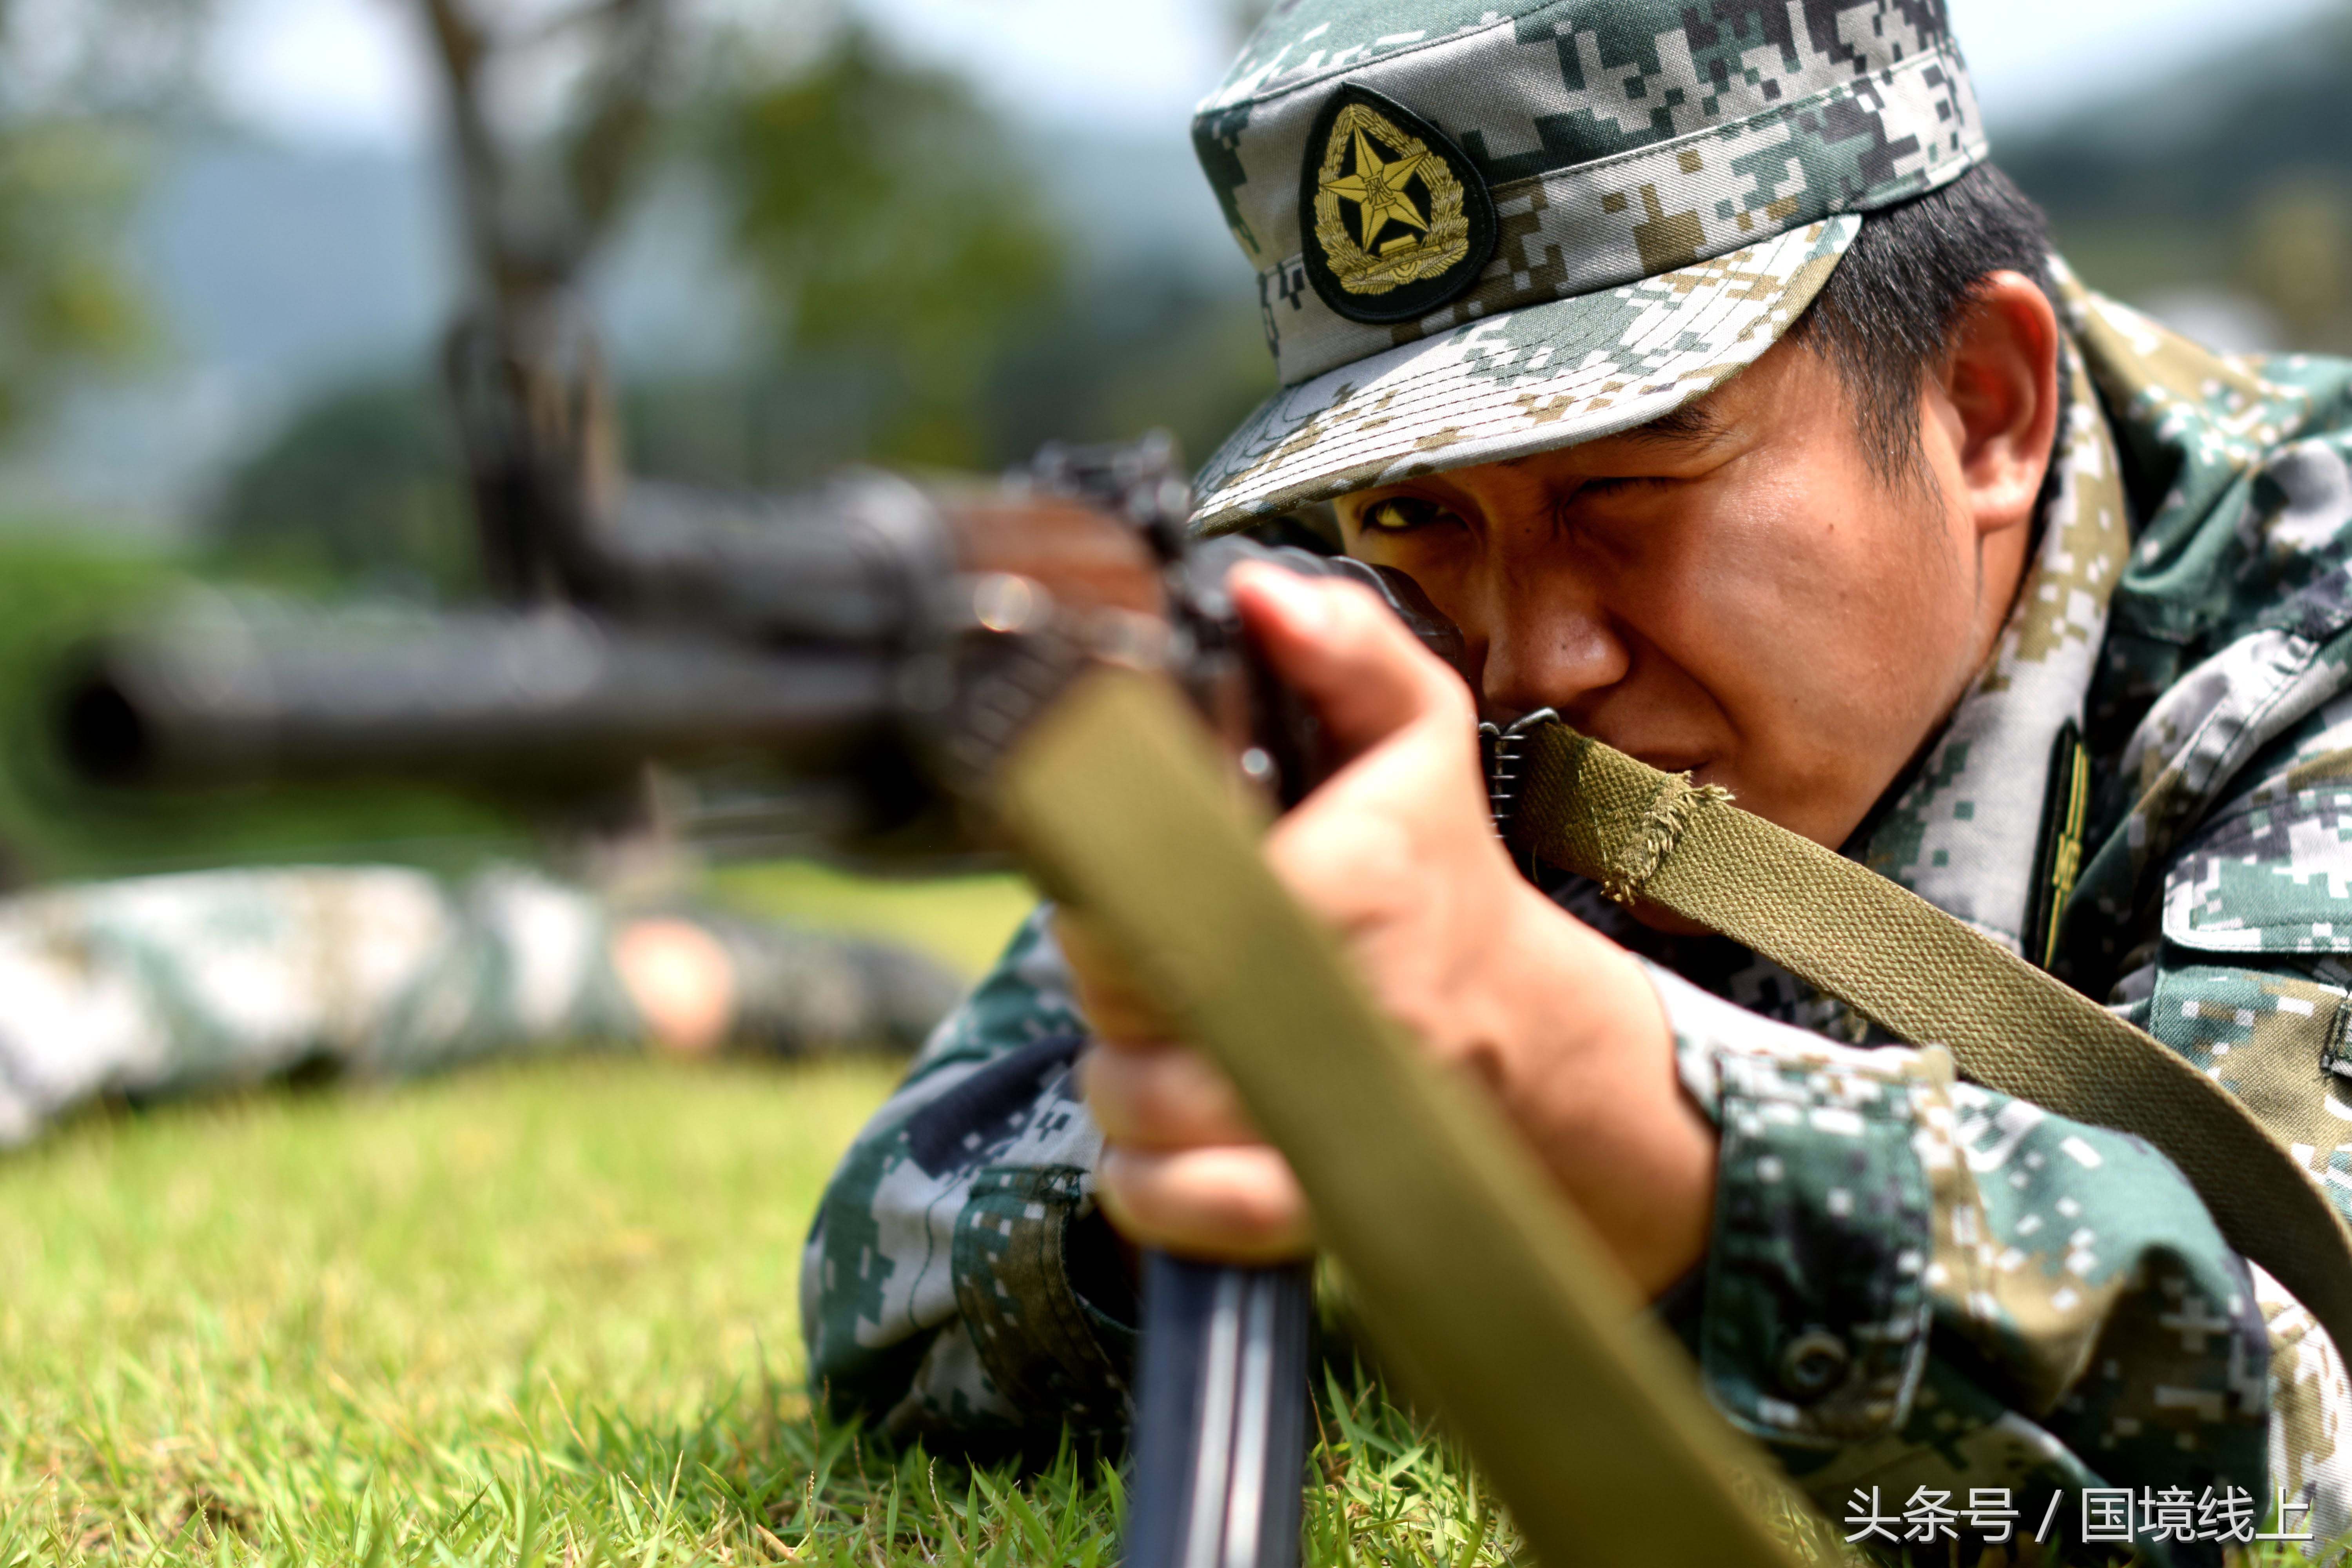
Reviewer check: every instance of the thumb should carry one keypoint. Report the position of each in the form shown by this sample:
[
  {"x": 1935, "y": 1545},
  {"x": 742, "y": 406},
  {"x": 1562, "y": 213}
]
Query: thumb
[{"x": 1334, "y": 642}]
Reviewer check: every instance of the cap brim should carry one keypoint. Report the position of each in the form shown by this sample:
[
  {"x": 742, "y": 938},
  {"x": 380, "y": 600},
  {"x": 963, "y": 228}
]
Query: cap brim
[{"x": 1546, "y": 377}]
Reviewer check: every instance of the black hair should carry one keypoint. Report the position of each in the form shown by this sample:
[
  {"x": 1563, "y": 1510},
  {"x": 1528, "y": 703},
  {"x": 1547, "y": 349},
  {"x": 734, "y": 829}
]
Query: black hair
[{"x": 1884, "y": 319}]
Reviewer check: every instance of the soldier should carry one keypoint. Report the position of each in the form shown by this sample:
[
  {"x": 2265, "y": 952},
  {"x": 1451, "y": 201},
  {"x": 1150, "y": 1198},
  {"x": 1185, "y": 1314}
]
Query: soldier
[
  {"x": 1699, "y": 363},
  {"x": 166, "y": 985}
]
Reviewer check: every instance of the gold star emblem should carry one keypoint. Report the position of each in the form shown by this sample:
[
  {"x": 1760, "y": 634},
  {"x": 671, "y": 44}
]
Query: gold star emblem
[
  {"x": 1378, "y": 189},
  {"x": 1385, "y": 208}
]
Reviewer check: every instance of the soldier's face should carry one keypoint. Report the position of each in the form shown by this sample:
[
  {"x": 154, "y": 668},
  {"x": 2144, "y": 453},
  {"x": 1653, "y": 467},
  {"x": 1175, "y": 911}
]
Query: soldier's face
[{"x": 1735, "y": 591}]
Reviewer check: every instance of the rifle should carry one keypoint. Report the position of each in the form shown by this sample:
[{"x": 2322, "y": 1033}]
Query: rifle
[
  {"x": 990, "y": 665},
  {"x": 862, "y": 634}
]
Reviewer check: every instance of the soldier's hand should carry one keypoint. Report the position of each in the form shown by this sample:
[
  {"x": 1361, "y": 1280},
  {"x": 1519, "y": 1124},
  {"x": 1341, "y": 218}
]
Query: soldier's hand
[
  {"x": 1395, "y": 851},
  {"x": 1182, "y": 1169}
]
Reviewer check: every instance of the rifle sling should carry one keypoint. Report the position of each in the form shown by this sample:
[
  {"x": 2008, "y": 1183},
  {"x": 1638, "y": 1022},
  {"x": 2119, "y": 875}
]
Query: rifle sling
[
  {"x": 1927, "y": 978},
  {"x": 1488, "y": 1292}
]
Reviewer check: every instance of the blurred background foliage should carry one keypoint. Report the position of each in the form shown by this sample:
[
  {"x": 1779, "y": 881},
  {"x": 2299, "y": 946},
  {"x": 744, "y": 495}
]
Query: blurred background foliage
[
  {"x": 899, "y": 270},
  {"x": 363, "y": 485},
  {"x": 65, "y": 303},
  {"x": 915, "y": 296},
  {"x": 900, "y": 245},
  {"x": 78, "y": 86},
  {"x": 910, "y": 292},
  {"x": 2221, "y": 196}
]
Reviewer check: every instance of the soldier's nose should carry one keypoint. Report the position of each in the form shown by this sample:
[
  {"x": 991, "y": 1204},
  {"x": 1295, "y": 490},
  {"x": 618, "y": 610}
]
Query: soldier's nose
[{"x": 1555, "y": 659}]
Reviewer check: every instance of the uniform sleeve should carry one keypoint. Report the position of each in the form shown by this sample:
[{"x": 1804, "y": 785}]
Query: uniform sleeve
[
  {"x": 960, "y": 1281},
  {"x": 1918, "y": 1283}
]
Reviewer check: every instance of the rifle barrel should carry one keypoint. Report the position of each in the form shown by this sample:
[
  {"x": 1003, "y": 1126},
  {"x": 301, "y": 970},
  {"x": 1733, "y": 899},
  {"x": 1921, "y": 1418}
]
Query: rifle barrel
[{"x": 540, "y": 699}]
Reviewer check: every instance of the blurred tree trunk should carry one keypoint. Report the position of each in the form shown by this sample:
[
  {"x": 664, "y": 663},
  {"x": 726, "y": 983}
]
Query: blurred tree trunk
[{"x": 533, "y": 398}]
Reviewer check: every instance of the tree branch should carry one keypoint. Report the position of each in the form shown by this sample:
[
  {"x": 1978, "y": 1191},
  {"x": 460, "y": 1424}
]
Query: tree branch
[
  {"x": 463, "y": 45},
  {"x": 585, "y": 14},
  {"x": 606, "y": 150}
]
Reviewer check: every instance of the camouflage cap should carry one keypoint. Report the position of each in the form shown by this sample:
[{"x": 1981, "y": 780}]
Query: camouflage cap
[{"x": 1488, "y": 227}]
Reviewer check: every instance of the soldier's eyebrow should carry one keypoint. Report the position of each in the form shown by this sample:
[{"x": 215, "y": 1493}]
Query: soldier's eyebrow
[{"x": 1693, "y": 424}]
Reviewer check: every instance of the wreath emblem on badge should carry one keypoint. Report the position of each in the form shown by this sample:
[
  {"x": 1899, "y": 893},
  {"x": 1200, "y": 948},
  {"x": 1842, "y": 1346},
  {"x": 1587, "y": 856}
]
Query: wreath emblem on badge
[{"x": 1398, "y": 221}]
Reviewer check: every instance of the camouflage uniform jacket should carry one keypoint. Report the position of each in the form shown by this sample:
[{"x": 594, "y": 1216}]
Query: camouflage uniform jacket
[
  {"x": 158, "y": 986},
  {"x": 1913, "y": 1283}
]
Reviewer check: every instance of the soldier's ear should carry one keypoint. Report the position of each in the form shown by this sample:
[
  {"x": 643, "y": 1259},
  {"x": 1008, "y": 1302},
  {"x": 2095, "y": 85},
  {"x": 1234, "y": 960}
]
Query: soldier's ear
[{"x": 1997, "y": 395}]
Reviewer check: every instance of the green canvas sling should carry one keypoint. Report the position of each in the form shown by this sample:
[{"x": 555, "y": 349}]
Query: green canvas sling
[
  {"x": 1929, "y": 979},
  {"x": 1477, "y": 1280}
]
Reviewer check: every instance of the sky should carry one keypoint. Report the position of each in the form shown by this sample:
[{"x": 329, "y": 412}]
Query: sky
[{"x": 350, "y": 71}]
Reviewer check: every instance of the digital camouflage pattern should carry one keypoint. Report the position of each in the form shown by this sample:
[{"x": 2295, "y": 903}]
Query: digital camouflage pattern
[
  {"x": 1913, "y": 1282},
  {"x": 961, "y": 1209},
  {"x": 169, "y": 985},
  {"x": 1620, "y": 141}
]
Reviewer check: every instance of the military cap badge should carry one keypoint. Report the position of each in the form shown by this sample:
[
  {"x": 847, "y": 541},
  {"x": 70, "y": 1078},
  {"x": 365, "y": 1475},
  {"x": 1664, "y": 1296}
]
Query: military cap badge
[{"x": 1397, "y": 220}]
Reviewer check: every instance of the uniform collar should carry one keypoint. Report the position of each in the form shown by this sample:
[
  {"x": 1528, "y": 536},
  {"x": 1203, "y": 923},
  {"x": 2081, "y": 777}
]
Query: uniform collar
[{"x": 1964, "y": 832}]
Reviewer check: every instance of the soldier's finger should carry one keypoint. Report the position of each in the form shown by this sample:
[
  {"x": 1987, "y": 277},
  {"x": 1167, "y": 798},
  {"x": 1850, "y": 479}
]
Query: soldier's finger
[
  {"x": 1168, "y": 1097},
  {"x": 1115, "y": 1009},
  {"x": 1342, "y": 649},
  {"x": 1237, "y": 1203}
]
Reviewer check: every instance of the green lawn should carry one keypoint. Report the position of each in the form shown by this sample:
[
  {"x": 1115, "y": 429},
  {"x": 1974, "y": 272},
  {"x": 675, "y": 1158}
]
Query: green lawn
[
  {"x": 965, "y": 921},
  {"x": 519, "y": 1316},
  {"x": 276, "y": 1327},
  {"x": 537, "y": 1314}
]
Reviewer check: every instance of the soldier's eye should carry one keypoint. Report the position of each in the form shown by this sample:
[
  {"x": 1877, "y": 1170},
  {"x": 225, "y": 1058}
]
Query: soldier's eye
[{"x": 1402, "y": 514}]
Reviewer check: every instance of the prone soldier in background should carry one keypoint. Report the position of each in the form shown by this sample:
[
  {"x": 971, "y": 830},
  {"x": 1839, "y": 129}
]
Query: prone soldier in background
[
  {"x": 177, "y": 985},
  {"x": 1703, "y": 370}
]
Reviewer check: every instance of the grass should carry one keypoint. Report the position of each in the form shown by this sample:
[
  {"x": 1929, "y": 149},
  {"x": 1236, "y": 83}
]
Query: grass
[
  {"x": 537, "y": 1314},
  {"x": 275, "y": 1327},
  {"x": 965, "y": 921},
  {"x": 528, "y": 1315}
]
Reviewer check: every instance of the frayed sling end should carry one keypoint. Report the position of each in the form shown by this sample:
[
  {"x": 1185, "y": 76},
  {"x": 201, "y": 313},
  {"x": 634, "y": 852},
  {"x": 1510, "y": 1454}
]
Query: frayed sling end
[{"x": 1662, "y": 824}]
